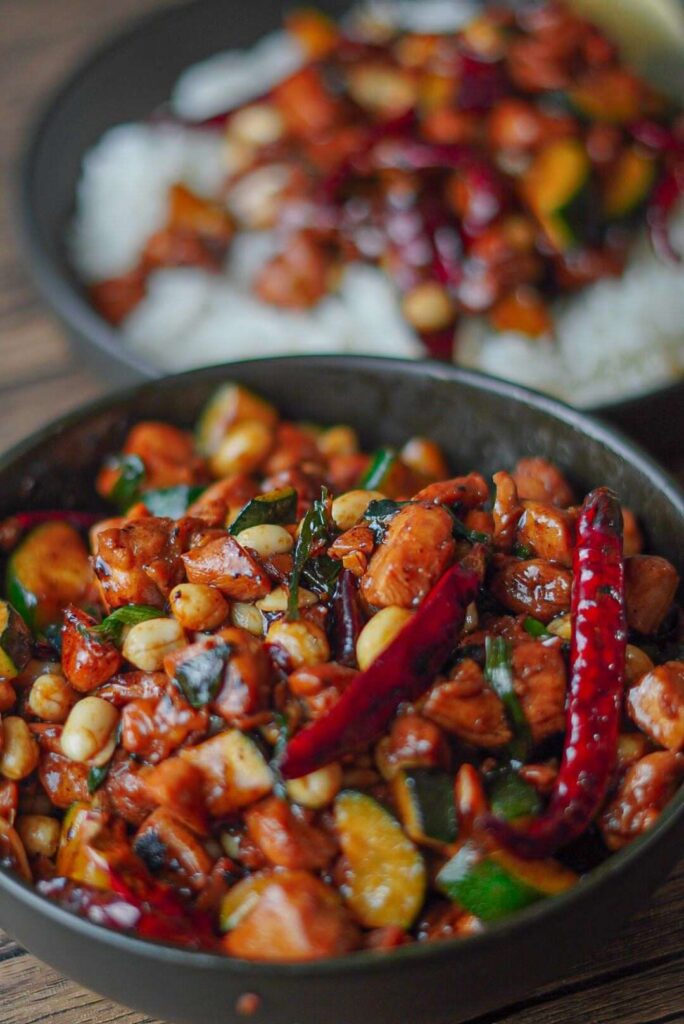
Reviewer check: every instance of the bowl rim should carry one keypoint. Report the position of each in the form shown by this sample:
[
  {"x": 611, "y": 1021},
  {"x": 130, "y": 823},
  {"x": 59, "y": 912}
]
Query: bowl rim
[
  {"x": 51, "y": 275},
  {"x": 368, "y": 962}
]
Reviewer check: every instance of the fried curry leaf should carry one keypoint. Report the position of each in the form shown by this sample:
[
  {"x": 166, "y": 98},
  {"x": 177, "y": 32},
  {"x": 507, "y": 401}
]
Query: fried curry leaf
[
  {"x": 112, "y": 627},
  {"x": 276, "y": 507},
  {"x": 472, "y": 536},
  {"x": 313, "y": 535},
  {"x": 380, "y": 512},
  {"x": 96, "y": 776},
  {"x": 201, "y": 676},
  {"x": 321, "y": 573}
]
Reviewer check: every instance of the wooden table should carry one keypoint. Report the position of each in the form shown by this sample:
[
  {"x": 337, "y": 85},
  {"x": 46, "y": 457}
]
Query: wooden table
[{"x": 638, "y": 979}]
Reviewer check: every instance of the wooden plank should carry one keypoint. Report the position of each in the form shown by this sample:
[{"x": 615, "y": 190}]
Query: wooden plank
[
  {"x": 33, "y": 993},
  {"x": 24, "y": 409}
]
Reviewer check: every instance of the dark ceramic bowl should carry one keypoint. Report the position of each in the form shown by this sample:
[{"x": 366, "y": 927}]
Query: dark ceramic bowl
[
  {"x": 481, "y": 424},
  {"x": 127, "y": 79}
]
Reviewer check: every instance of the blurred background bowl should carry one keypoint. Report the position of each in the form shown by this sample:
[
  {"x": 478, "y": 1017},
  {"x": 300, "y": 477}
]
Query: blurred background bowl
[{"x": 132, "y": 75}]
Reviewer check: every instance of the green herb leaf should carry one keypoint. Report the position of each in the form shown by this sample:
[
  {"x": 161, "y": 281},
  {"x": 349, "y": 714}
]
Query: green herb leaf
[
  {"x": 511, "y": 796},
  {"x": 96, "y": 776},
  {"x": 201, "y": 676},
  {"x": 523, "y": 551},
  {"x": 472, "y": 536},
  {"x": 534, "y": 627},
  {"x": 381, "y": 464},
  {"x": 320, "y": 574},
  {"x": 172, "y": 502},
  {"x": 112, "y": 627},
  {"x": 273, "y": 508},
  {"x": 126, "y": 490},
  {"x": 314, "y": 532},
  {"x": 499, "y": 674},
  {"x": 380, "y": 512}
]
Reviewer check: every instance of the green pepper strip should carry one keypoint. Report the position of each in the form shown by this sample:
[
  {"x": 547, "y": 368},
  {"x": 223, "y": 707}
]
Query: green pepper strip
[
  {"x": 499, "y": 674},
  {"x": 380, "y": 467}
]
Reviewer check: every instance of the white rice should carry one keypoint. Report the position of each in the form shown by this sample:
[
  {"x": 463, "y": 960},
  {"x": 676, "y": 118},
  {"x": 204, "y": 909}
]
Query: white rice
[{"x": 619, "y": 337}]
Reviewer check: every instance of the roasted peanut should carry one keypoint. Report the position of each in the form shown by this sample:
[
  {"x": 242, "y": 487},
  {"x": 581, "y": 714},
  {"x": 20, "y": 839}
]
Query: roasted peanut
[{"x": 197, "y": 606}]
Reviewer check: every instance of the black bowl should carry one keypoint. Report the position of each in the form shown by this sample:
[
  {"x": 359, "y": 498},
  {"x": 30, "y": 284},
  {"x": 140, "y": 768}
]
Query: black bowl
[
  {"x": 481, "y": 424},
  {"x": 127, "y": 79}
]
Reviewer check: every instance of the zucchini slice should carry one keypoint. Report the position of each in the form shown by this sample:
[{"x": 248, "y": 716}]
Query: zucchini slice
[
  {"x": 425, "y": 800},
  {"x": 496, "y": 884},
  {"x": 386, "y": 878},
  {"x": 15, "y": 642},
  {"x": 47, "y": 571},
  {"x": 230, "y": 404},
  {"x": 629, "y": 184},
  {"x": 556, "y": 189},
  {"x": 242, "y": 898}
]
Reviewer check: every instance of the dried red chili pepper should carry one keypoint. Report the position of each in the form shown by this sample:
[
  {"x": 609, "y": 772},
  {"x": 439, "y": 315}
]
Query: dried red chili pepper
[
  {"x": 597, "y": 663},
  {"x": 402, "y": 672},
  {"x": 347, "y": 621},
  {"x": 157, "y": 914}
]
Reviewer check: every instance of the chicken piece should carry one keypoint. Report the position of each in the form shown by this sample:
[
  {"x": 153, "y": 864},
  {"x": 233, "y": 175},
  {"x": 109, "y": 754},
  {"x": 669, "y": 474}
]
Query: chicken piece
[
  {"x": 415, "y": 742},
  {"x": 225, "y": 564},
  {"x": 167, "y": 453},
  {"x": 297, "y": 277},
  {"x": 153, "y": 729},
  {"x": 468, "y": 492},
  {"x": 297, "y": 918},
  {"x": 179, "y": 787},
  {"x": 223, "y": 499},
  {"x": 293, "y": 446},
  {"x": 467, "y": 707},
  {"x": 65, "y": 781},
  {"x": 357, "y": 539},
  {"x": 140, "y": 562},
  {"x": 539, "y": 681},
  {"x": 87, "y": 661},
  {"x": 345, "y": 471},
  {"x": 643, "y": 793},
  {"x": 507, "y": 511},
  {"x": 164, "y": 842},
  {"x": 549, "y": 532},
  {"x": 9, "y": 800},
  {"x": 286, "y": 839},
  {"x": 417, "y": 549},
  {"x": 533, "y": 587},
  {"x": 538, "y": 479},
  {"x": 244, "y": 683},
  {"x": 247, "y": 682},
  {"x": 128, "y": 686},
  {"x": 650, "y": 586},
  {"x": 124, "y": 791},
  {"x": 656, "y": 705},
  {"x": 116, "y": 297}
]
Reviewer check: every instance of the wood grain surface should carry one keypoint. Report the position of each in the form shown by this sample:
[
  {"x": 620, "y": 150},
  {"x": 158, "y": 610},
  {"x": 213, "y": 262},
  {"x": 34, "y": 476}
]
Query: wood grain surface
[{"x": 637, "y": 979}]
